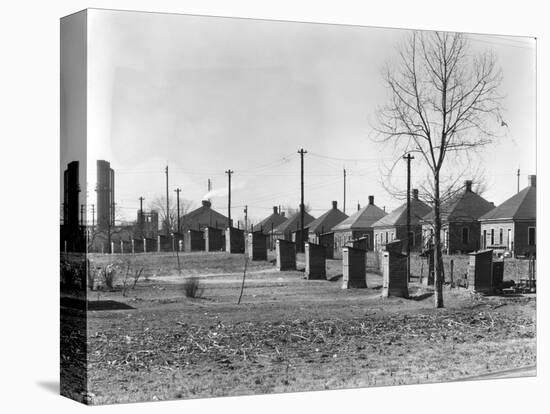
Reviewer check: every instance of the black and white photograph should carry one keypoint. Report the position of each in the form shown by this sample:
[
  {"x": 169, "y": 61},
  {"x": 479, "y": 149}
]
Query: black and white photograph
[
  {"x": 291, "y": 206},
  {"x": 254, "y": 207}
]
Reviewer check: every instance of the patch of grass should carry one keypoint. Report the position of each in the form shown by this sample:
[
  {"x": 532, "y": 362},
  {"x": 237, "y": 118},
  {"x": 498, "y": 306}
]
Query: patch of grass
[{"x": 191, "y": 287}]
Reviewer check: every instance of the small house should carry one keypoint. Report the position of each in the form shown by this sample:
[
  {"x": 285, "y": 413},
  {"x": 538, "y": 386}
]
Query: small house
[
  {"x": 460, "y": 224},
  {"x": 325, "y": 223},
  {"x": 358, "y": 225},
  {"x": 511, "y": 226},
  {"x": 394, "y": 225}
]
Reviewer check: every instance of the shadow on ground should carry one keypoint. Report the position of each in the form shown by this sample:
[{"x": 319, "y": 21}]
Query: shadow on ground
[
  {"x": 94, "y": 305},
  {"x": 50, "y": 386}
]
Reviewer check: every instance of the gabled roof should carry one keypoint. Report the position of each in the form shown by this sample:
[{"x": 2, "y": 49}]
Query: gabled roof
[
  {"x": 466, "y": 206},
  {"x": 203, "y": 216},
  {"x": 398, "y": 217},
  {"x": 521, "y": 206},
  {"x": 270, "y": 222},
  {"x": 293, "y": 223},
  {"x": 328, "y": 220},
  {"x": 362, "y": 219}
]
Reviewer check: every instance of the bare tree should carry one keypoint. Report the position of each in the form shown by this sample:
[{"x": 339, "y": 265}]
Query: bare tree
[
  {"x": 444, "y": 102},
  {"x": 159, "y": 204}
]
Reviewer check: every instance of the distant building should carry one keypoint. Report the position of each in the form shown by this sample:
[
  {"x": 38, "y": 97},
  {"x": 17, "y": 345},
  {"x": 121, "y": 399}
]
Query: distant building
[
  {"x": 394, "y": 225},
  {"x": 460, "y": 224},
  {"x": 358, "y": 225},
  {"x": 71, "y": 190},
  {"x": 72, "y": 234},
  {"x": 512, "y": 225},
  {"x": 270, "y": 222},
  {"x": 285, "y": 229},
  {"x": 105, "y": 195},
  {"x": 325, "y": 222},
  {"x": 147, "y": 224},
  {"x": 204, "y": 216}
]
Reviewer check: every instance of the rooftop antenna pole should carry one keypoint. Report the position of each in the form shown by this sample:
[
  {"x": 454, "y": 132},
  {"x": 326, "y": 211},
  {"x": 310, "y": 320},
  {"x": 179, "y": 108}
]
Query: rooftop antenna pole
[{"x": 518, "y": 180}]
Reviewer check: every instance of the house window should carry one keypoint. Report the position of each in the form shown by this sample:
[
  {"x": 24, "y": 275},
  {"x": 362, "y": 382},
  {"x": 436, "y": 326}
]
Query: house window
[
  {"x": 531, "y": 236},
  {"x": 465, "y": 235},
  {"x": 386, "y": 237},
  {"x": 492, "y": 237},
  {"x": 484, "y": 241},
  {"x": 500, "y": 237},
  {"x": 392, "y": 236}
]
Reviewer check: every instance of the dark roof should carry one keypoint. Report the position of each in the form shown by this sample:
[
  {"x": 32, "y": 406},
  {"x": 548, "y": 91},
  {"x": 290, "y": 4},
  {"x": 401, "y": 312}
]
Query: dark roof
[
  {"x": 266, "y": 224},
  {"x": 362, "y": 219},
  {"x": 327, "y": 221},
  {"x": 465, "y": 206},
  {"x": 203, "y": 216},
  {"x": 521, "y": 206},
  {"x": 398, "y": 217},
  {"x": 293, "y": 222}
]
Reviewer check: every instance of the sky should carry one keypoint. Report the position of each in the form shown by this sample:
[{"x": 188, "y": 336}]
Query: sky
[{"x": 206, "y": 94}]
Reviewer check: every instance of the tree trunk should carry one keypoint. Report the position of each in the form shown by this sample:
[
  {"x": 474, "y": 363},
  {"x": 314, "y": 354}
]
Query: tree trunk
[{"x": 438, "y": 265}]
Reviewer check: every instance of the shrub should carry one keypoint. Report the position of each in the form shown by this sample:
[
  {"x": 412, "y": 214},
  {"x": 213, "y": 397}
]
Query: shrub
[
  {"x": 109, "y": 274},
  {"x": 191, "y": 287}
]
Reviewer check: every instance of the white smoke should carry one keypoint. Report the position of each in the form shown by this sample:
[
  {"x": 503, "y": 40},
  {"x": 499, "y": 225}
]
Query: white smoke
[{"x": 223, "y": 192}]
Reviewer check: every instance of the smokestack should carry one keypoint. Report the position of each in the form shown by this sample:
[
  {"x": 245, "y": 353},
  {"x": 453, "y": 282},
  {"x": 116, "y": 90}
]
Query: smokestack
[
  {"x": 468, "y": 184},
  {"x": 532, "y": 180},
  {"x": 415, "y": 194},
  {"x": 335, "y": 205},
  {"x": 275, "y": 211},
  {"x": 206, "y": 203},
  {"x": 371, "y": 200}
]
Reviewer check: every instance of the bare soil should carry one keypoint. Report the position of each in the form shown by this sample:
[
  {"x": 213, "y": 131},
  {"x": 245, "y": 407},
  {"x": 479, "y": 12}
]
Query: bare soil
[{"x": 288, "y": 333}]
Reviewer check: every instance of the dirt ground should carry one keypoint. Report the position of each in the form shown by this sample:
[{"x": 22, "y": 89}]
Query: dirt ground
[{"x": 151, "y": 342}]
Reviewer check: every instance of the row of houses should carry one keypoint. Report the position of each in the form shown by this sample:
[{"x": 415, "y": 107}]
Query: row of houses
[{"x": 468, "y": 223}]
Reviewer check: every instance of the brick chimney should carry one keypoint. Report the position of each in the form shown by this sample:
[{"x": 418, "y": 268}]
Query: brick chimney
[
  {"x": 532, "y": 180},
  {"x": 275, "y": 211},
  {"x": 415, "y": 193},
  {"x": 468, "y": 185},
  {"x": 206, "y": 203},
  {"x": 335, "y": 205},
  {"x": 371, "y": 200}
]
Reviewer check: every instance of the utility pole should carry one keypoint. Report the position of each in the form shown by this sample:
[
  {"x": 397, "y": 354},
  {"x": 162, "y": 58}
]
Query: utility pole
[
  {"x": 178, "y": 190},
  {"x": 408, "y": 157},
  {"x": 518, "y": 180},
  {"x": 344, "y": 191},
  {"x": 93, "y": 217},
  {"x": 141, "y": 217},
  {"x": 246, "y": 218},
  {"x": 229, "y": 172},
  {"x": 167, "y": 205},
  {"x": 302, "y": 208}
]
